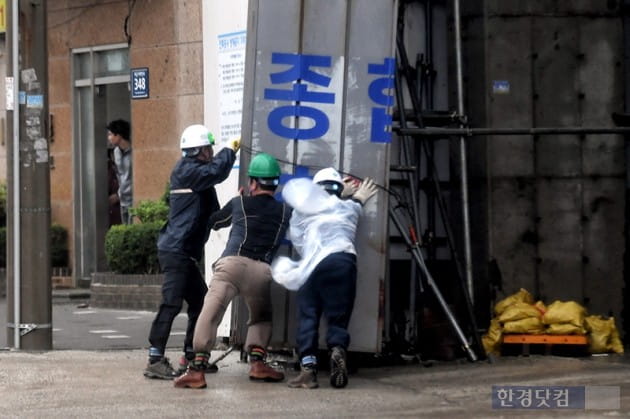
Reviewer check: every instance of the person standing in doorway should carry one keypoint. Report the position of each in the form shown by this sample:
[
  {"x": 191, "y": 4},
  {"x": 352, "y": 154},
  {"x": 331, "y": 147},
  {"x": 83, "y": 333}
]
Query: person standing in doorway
[
  {"x": 112, "y": 188},
  {"x": 192, "y": 201},
  {"x": 118, "y": 134}
]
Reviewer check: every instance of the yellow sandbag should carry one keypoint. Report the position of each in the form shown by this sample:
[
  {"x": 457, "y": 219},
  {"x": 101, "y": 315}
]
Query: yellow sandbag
[
  {"x": 519, "y": 311},
  {"x": 565, "y": 312},
  {"x": 615, "y": 343},
  {"x": 599, "y": 334},
  {"x": 522, "y": 296},
  {"x": 492, "y": 339},
  {"x": 530, "y": 325},
  {"x": 541, "y": 307},
  {"x": 603, "y": 335},
  {"x": 565, "y": 329}
]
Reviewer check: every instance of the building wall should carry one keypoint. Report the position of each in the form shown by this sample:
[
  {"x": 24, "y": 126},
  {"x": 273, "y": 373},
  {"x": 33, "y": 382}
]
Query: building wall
[
  {"x": 165, "y": 36},
  {"x": 555, "y": 203}
]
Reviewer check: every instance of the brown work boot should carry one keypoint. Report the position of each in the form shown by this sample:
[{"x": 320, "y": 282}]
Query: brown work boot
[
  {"x": 306, "y": 379},
  {"x": 191, "y": 379},
  {"x": 261, "y": 371}
]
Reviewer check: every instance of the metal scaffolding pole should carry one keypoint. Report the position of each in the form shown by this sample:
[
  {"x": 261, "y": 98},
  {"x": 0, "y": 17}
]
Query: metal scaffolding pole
[
  {"x": 470, "y": 132},
  {"x": 462, "y": 155}
]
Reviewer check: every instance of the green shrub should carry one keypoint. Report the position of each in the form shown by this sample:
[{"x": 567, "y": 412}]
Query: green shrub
[
  {"x": 132, "y": 249},
  {"x": 3, "y": 204},
  {"x": 58, "y": 246},
  {"x": 3, "y": 247},
  {"x": 150, "y": 211}
]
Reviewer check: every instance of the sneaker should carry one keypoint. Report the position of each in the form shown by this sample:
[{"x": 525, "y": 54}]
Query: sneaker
[
  {"x": 306, "y": 379},
  {"x": 261, "y": 371},
  {"x": 161, "y": 370},
  {"x": 192, "y": 378},
  {"x": 183, "y": 366},
  {"x": 338, "y": 368}
]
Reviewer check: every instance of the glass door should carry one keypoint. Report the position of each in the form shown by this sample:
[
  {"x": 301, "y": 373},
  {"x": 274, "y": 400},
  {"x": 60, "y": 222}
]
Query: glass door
[{"x": 101, "y": 94}]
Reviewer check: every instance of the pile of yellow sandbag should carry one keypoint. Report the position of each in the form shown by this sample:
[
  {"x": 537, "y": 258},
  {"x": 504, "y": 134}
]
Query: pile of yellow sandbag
[{"x": 518, "y": 314}]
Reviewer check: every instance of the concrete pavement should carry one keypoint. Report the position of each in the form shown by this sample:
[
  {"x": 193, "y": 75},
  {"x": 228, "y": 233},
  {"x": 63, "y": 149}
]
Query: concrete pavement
[
  {"x": 109, "y": 384},
  {"x": 76, "y": 325}
]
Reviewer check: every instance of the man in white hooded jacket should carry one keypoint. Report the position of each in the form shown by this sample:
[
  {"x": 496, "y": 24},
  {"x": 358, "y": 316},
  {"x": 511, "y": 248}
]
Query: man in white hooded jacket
[{"x": 322, "y": 229}]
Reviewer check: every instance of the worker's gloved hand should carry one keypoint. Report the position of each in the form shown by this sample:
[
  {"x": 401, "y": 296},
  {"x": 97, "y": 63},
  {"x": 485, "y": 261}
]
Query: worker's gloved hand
[
  {"x": 365, "y": 191},
  {"x": 350, "y": 186},
  {"x": 235, "y": 144}
]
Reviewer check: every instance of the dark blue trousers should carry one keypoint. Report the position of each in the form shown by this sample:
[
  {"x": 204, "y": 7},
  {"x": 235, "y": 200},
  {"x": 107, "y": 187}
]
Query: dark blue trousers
[
  {"x": 330, "y": 290},
  {"x": 182, "y": 282}
]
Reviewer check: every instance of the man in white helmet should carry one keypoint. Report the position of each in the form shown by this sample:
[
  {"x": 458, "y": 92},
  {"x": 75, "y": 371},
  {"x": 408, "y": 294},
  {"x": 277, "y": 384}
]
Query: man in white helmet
[
  {"x": 192, "y": 201},
  {"x": 322, "y": 230}
]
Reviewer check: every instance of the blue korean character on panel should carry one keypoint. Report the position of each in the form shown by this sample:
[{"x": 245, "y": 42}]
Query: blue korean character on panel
[
  {"x": 381, "y": 93},
  {"x": 300, "y": 74}
]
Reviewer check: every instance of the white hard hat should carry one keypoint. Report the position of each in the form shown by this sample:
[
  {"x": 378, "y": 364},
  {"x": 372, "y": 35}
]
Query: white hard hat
[
  {"x": 196, "y": 136},
  {"x": 327, "y": 174},
  {"x": 330, "y": 180}
]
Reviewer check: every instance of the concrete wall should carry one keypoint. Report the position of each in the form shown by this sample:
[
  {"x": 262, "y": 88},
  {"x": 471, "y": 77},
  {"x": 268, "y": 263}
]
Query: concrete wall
[
  {"x": 165, "y": 36},
  {"x": 555, "y": 203},
  {"x": 126, "y": 292}
]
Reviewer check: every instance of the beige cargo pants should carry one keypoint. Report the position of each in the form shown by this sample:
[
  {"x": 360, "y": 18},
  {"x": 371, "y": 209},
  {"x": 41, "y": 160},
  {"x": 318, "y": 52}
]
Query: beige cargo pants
[{"x": 232, "y": 276}]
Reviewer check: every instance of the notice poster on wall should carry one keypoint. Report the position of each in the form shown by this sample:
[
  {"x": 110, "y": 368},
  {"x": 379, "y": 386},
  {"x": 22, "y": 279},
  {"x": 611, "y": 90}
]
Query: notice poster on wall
[{"x": 231, "y": 74}]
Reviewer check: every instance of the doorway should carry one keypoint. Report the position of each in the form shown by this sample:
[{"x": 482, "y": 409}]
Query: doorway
[{"x": 101, "y": 94}]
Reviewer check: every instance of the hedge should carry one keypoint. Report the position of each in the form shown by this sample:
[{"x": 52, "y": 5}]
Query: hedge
[
  {"x": 132, "y": 248},
  {"x": 58, "y": 246}
]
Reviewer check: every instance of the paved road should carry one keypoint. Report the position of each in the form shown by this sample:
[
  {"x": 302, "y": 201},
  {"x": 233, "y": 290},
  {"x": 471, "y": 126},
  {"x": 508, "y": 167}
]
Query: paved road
[
  {"x": 86, "y": 328},
  {"x": 109, "y": 384}
]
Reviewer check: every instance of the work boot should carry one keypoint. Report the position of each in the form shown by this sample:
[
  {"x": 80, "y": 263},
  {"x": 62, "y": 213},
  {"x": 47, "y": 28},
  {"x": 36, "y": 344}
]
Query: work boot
[
  {"x": 306, "y": 379},
  {"x": 161, "y": 370},
  {"x": 192, "y": 378},
  {"x": 338, "y": 368},
  {"x": 261, "y": 371}
]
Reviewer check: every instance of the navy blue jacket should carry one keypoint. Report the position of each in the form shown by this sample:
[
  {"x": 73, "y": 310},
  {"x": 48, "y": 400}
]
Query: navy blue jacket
[
  {"x": 259, "y": 224},
  {"x": 192, "y": 201}
]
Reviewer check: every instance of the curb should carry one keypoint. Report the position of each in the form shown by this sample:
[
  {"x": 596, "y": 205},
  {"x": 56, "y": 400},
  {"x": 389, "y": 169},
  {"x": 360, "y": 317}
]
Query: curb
[{"x": 74, "y": 295}]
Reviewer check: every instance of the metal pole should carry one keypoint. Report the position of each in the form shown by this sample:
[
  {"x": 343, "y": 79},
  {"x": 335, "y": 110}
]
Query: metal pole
[
  {"x": 462, "y": 154},
  {"x": 31, "y": 178},
  {"x": 470, "y": 132},
  {"x": 417, "y": 254},
  {"x": 16, "y": 174}
]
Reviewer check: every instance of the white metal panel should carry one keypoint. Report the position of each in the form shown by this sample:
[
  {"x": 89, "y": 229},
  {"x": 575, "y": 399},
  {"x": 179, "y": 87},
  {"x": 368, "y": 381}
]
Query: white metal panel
[
  {"x": 369, "y": 97},
  {"x": 219, "y": 19},
  {"x": 327, "y": 67}
]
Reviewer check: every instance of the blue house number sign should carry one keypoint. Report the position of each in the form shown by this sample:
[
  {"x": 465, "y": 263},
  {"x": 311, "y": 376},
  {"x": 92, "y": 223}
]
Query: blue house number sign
[{"x": 139, "y": 83}]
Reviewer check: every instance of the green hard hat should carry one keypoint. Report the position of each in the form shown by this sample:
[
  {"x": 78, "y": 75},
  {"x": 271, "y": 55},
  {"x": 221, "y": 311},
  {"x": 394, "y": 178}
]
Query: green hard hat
[{"x": 264, "y": 166}]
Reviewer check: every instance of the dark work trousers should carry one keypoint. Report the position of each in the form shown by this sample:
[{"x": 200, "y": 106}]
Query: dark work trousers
[
  {"x": 330, "y": 290},
  {"x": 182, "y": 281}
]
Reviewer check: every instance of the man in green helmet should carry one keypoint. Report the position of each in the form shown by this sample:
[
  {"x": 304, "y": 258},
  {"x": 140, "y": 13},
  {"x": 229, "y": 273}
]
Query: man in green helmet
[{"x": 259, "y": 223}]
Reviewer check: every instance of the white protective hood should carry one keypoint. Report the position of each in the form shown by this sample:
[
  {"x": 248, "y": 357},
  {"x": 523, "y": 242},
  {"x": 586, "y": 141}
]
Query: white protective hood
[{"x": 321, "y": 224}]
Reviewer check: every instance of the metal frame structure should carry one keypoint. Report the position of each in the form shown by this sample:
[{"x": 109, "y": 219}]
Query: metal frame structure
[
  {"x": 421, "y": 92},
  {"x": 417, "y": 144}
]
